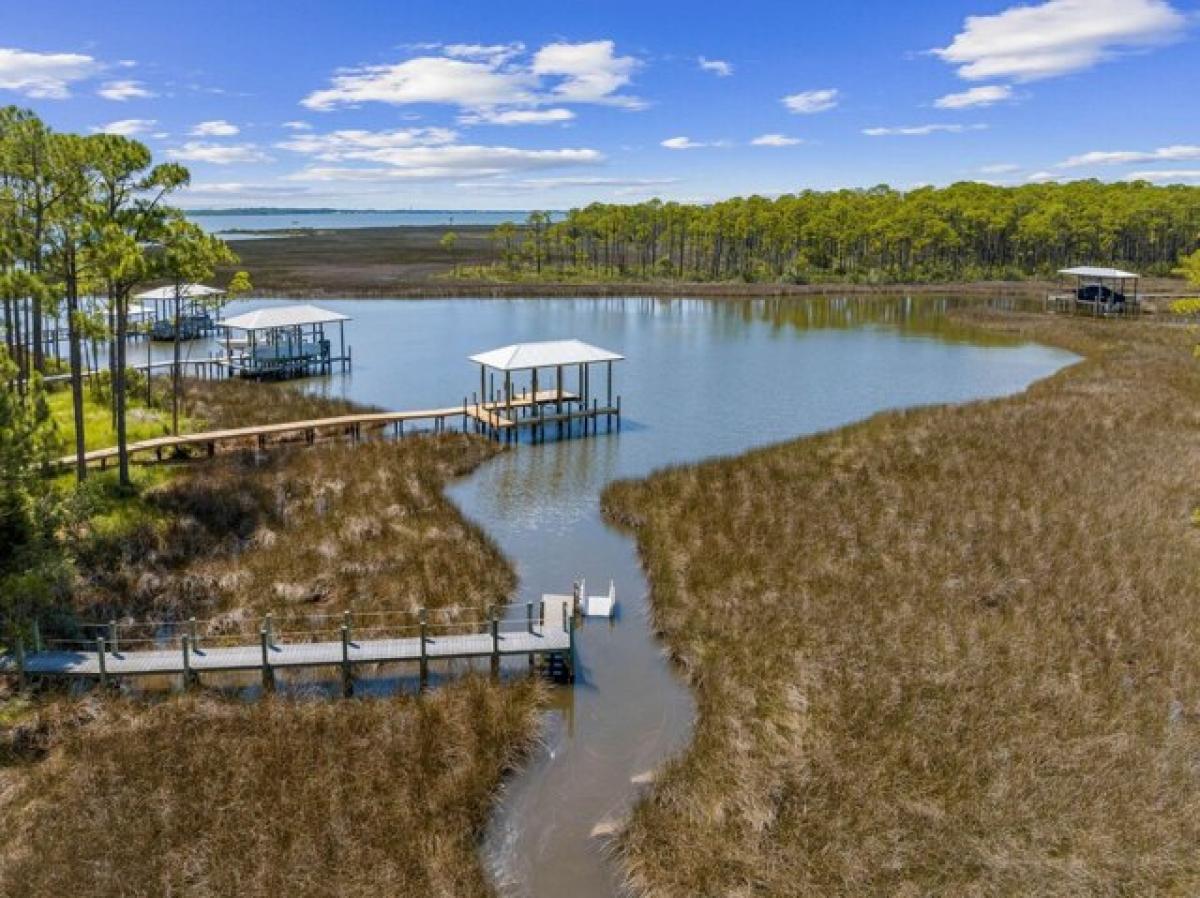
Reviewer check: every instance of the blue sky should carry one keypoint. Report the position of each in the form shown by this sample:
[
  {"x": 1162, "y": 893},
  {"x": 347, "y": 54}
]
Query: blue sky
[{"x": 553, "y": 104}]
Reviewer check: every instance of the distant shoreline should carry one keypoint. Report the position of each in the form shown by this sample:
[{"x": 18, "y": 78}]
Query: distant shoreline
[{"x": 409, "y": 262}]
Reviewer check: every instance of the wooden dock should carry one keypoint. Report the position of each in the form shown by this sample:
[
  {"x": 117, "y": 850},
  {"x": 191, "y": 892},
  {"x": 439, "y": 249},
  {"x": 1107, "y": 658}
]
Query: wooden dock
[
  {"x": 547, "y": 632},
  {"x": 525, "y": 410}
]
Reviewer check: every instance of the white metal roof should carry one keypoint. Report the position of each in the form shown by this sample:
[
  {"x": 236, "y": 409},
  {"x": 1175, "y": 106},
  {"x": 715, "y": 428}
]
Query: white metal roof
[
  {"x": 1087, "y": 271},
  {"x": 186, "y": 291},
  {"x": 283, "y": 316},
  {"x": 547, "y": 354}
]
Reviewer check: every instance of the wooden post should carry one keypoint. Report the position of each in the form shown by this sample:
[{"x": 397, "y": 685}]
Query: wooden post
[
  {"x": 570, "y": 624},
  {"x": 268, "y": 675},
  {"x": 495, "y": 643},
  {"x": 535, "y": 410},
  {"x": 347, "y": 622},
  {"x": 529, "y": 624},
  {"x": 347, "y": 678},
  {"x": 193, "y": 635},
  {"x": 424, "y": 650},
  {"x": 268, "y": 627},
  {"x": 100, "y": 658},
  {"x": 112, "y": 637},
  {"x": 22, "y": 675},
  {"x": 187, "y": 662}
]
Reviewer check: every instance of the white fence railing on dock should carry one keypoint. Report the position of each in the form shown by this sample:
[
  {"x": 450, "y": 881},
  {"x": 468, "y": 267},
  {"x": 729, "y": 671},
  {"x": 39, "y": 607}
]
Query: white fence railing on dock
[{"x": 187, "y": 648}]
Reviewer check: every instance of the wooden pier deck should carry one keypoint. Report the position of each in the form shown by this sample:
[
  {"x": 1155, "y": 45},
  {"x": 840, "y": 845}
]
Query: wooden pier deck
[
  {"x": 549, "y": 633},
  {"x": 486, "y": 414}
]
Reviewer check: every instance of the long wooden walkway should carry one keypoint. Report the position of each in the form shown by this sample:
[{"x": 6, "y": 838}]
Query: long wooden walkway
[
  {"x": 486, "y": 414},
  {"x": 548, "y": 634}
]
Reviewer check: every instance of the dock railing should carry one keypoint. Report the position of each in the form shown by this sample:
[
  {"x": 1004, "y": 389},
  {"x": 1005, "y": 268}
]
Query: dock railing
[{"x": 190, "y": 646}]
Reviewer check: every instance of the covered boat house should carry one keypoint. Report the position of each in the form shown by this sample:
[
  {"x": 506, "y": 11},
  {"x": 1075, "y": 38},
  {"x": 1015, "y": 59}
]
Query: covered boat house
[
  {"x": 285, "y": 341},
  {"x": 181, "y": 311},
  {"x": 554, "y": 382},
  {"x": 1098, "y": 291}
]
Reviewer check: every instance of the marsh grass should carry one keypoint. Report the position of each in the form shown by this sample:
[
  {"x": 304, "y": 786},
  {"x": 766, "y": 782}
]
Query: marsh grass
[
  {"x": 202, "y": 797},
  {"x": 198, "y": 795},
  {"x": 947, "y": 651},
  {"x": 295, "y": 530}
]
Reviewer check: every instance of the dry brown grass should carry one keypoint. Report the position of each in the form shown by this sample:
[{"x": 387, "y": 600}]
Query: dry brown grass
[
  {"x": 203, "y": 796},
  {"x": 297, "y": 530},
  {"x": 948, "y": 651},
  {"x": 197, "y": 797}
]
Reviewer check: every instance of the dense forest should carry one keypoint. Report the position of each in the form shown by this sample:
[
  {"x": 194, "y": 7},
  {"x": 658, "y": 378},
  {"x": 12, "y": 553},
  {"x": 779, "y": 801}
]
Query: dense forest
[{"x": 965, "y": 231}]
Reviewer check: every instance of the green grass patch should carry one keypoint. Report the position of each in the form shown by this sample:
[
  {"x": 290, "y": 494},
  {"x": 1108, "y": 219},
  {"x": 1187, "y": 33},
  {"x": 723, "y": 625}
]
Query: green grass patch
[{"x": 142, "y": 422}]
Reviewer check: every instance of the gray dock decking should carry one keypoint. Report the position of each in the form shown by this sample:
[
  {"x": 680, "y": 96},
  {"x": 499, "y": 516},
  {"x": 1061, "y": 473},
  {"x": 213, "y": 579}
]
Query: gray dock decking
[{"x": 550, "y": 633}]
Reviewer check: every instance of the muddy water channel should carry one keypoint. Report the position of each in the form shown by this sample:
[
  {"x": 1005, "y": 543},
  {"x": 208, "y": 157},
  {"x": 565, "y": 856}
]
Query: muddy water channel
[{"x": 702, "y": 378}]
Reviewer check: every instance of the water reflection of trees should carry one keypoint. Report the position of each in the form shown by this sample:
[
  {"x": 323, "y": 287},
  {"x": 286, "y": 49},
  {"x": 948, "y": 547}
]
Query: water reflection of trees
[{"x": 915, "y": 315}]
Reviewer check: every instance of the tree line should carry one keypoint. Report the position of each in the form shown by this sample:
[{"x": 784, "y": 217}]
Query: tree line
[
  {"x": 84, "y": 224},
  {"x": 966, "y": 231}
]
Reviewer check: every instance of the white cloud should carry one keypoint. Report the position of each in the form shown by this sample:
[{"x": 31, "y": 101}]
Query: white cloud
[
  {"x": 44, "y": 76},
  {"x": 426, "y": 79},
  {"x": 552, "y": 116},
  {"x": 339, "y": 146},
  {"x": 495, "y": 53},
  {"x": 127, "y": 127},
  {"x": 1026, "y": 43},
  {"x": 487, "y": 78},
  {"x": 1000, "y": 168},
  {"x": 297, "y": 126},
  {"x": 985, "y": 95},
  {"x": 775, "y": 140},
  {"x": 1039, "y": 177},
  {"x": 808, "y": 102},
  {"x": 1168, "y": 176},
  {"x": 682, "y": 143},
  {"x": 215, "y": 128},
  {"x": 1177, "y": 153},
  {"x": 439, "y": 163},
  {"x": 718, "y": 67},
  {"x": 528, "y": 185},
  {"x": 420, "y": 154},
  {"x": 591, "y": 72},
  {"x": 921, "y": 130},
  {"x": 120, "y": 91},
  {"x": 218, "y": 154}
]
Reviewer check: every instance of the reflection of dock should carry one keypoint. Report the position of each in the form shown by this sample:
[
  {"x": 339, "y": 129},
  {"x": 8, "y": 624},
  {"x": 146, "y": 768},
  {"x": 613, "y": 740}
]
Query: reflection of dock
[
  {"x": 343, "y": 641},
  {"x": 351, "y": 426}
]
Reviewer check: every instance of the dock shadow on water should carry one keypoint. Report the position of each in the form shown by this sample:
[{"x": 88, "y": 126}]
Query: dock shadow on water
[{"x": 702, "y": 378}]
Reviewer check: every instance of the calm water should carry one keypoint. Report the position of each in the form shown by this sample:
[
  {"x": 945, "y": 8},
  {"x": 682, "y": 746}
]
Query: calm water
[
  {"x": 703, "y": 378},
  {"x": 223, "y": 224}
]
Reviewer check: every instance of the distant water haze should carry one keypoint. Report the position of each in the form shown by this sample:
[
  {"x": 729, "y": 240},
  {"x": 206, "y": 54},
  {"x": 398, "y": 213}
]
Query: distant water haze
[{"x": 230, "y": 222}]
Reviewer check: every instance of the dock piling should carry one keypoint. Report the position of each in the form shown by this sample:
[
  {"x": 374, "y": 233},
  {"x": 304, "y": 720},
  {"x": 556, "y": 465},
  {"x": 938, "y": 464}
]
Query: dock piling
[
  {"x": 347, "y": 676},
  {"x": 103, "y": 664},
  {"x": 424, "y": 648},
  {"x": 113, "y": 639},
  {"x": 495, "y": 643},
  {"x": 22, "y": 677},
  {"x": 268, "y": 675},
  {"x": 188, "y": 676}
]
